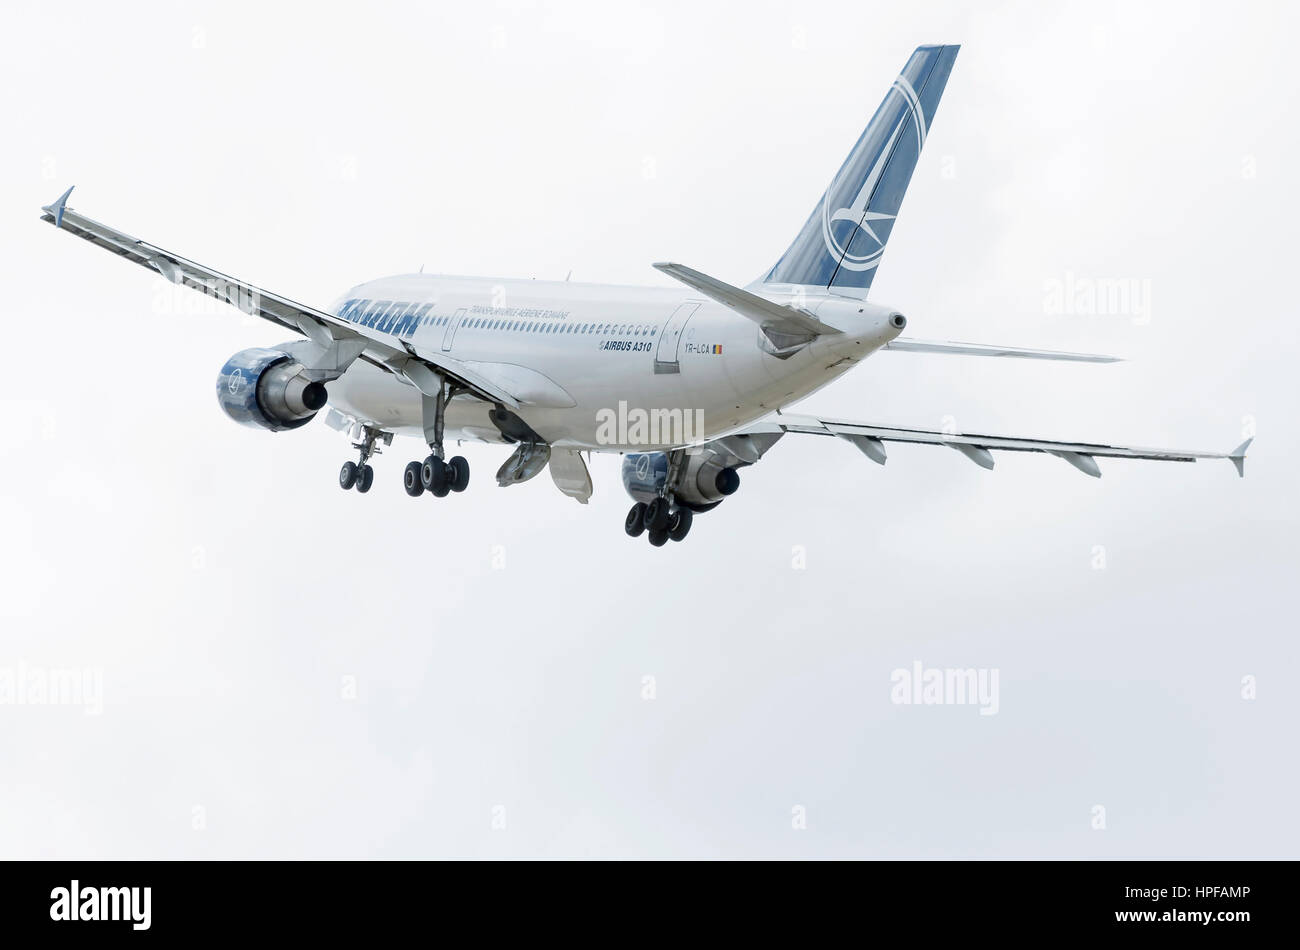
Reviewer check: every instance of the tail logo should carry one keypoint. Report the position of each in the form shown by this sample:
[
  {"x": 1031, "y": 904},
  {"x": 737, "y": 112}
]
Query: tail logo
[
  {"x": 843, "y": 240},
  {"x": 857, "y": 213}
]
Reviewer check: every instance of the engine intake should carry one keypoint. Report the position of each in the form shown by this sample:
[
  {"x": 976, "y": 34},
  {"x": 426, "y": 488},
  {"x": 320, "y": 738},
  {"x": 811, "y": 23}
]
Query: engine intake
[{"x": 266, "y": 389}]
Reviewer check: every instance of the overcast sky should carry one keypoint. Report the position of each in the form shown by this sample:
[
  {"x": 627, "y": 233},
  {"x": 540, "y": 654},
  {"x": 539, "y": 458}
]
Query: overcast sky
[{"x": 288, "y": 670}]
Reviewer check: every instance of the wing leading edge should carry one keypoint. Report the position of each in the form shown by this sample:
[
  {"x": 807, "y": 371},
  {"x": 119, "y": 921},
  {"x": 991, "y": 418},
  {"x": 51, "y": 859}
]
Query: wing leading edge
[{"x": 336, "y": 342}]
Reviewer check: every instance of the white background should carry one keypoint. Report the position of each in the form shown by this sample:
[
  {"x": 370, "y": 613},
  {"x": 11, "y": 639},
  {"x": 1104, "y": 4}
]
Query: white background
[{"x": 225, "y": 587}]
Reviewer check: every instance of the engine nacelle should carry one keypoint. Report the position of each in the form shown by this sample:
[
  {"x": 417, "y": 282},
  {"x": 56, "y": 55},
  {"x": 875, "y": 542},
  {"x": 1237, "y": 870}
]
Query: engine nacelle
[
  {"x": 704, "y": 483},
  {"x": 266, "y": 389}
]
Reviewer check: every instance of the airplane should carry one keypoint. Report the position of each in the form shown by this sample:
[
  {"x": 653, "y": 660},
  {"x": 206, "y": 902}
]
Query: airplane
[{"x": 689, "y": 383}]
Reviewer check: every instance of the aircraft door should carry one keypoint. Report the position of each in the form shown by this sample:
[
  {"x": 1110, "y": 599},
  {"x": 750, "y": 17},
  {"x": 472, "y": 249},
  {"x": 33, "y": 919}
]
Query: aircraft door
[
  {"x": 670, "y": 338},
  {"x": 450, "y": 335}
]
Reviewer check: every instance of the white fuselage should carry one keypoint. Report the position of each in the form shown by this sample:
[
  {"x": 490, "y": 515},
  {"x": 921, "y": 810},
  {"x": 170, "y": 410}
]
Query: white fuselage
[{"x": 573, "y": 354}]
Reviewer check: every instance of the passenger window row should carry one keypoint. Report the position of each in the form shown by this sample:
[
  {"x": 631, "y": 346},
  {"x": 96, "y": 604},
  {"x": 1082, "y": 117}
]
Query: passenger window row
[
  {"x": 543, "y": 326},
  {"x": 392, "y": 316}
]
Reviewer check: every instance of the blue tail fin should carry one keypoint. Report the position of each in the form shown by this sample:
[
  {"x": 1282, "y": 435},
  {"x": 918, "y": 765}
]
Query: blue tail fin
[{"x": 844, "y": 238}]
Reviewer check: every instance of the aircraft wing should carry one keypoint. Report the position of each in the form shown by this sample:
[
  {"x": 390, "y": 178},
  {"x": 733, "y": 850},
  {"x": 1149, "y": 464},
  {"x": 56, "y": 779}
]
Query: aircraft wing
[
  {"x": 337, "y": 342},
  {"x": 870, "y": 439}
]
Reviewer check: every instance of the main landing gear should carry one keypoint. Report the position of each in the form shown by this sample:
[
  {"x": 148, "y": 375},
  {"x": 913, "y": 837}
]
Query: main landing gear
[
  {"x": 436, "y": 474},
  {"x": 359, "y": 474},
  {"x": 663, "y": 519},
  {"x": 660, "y": 522}
]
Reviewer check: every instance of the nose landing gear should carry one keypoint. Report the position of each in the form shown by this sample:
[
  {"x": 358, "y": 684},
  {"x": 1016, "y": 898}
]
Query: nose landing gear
[{"x": 359, "y": 474}]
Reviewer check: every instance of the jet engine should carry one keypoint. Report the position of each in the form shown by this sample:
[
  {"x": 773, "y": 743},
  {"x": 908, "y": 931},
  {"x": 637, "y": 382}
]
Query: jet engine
[
  {"x": 266, "y": 389},
  {"x": 705, "y": 481}
]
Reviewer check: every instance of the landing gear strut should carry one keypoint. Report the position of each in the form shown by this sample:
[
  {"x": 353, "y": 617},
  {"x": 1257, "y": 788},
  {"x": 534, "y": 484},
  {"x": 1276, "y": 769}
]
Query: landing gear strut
[{"x": 436, "y": 474}]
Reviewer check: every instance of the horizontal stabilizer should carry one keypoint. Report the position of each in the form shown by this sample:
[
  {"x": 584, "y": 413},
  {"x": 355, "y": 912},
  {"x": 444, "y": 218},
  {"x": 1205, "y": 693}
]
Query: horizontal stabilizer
[
  {"x": 767, "y": 314},
  {"x": 979, "y": 349}
]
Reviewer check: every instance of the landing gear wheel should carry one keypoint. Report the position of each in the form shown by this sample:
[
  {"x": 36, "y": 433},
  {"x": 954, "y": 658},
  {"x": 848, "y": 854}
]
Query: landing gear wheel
[
  {"x": 433, "y": 475},
  {"x": 348, "y": 475},
  {"x": 411, "y": 479},
  {"x": 680, "y": 525},
  {"x": 634, "y": 523},
  {"x": 458, "y": 473},
  {"x": 365, "y": 478},
  {"x": 658, "y": 538},
  {"x": 656, "y": 516}
]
